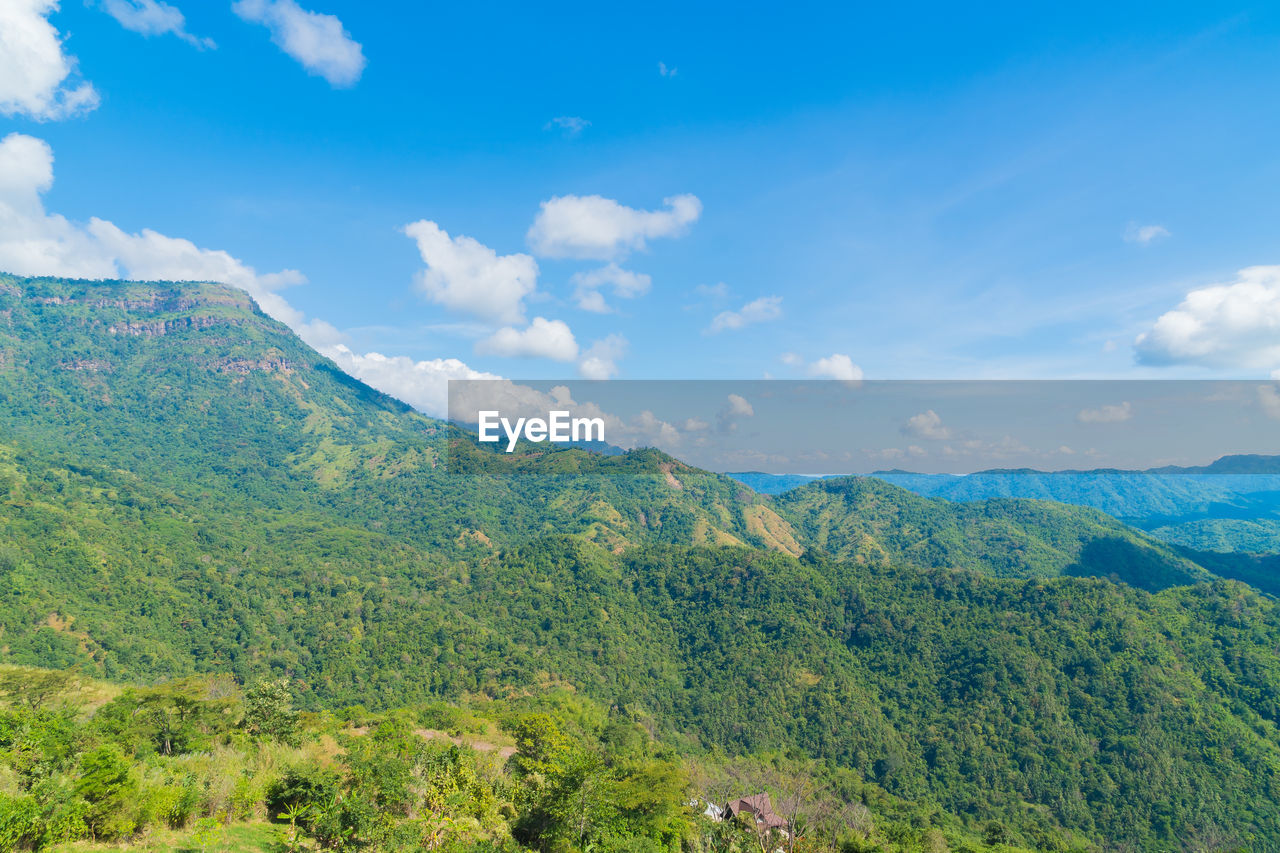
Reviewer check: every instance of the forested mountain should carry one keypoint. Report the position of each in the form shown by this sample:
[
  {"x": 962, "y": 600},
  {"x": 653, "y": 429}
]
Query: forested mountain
[
  {"x": 1230, "y": 505},
  {"x": 185, "y": 488}
]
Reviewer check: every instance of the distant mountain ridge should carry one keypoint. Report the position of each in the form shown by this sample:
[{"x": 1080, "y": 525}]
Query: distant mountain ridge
[{"x": 1232, "y": 504}]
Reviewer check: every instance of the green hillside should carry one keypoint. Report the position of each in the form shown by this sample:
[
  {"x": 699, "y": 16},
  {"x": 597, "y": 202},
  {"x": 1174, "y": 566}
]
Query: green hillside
[
  {"x": 200, "y": 764},
  {"x": 186, "y": 488},
  {"x": 866, "y": 520},
  {"x": 1232, "y": 505}
]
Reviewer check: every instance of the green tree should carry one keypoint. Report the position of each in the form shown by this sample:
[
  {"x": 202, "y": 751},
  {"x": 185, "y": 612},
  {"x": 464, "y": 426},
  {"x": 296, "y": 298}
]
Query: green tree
[
  {"x": 109, "y": 787},
  {"x": 269, "y": 712}
]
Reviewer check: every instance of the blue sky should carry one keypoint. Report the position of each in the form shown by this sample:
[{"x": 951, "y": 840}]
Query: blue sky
[{"x": 915, "y": 191}]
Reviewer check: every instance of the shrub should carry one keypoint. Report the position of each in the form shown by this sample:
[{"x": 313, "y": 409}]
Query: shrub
[
  {"x": 306, "y": 785},
  {"x": 110, "y": 790}
]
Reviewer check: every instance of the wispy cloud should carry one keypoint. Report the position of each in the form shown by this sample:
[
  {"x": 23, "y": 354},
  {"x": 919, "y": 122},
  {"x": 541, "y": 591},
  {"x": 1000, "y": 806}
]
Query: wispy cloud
[
  {"x": 625, "y": 284},
  {"x": 1115, "y": 414},
  {"x": 600, "y": 361},
  {"x": 1145, "y": 235},
  {"x": 318, "y": 42},
  {"x": 571, "y": 125},
  {"x": 153, "y": 18},
  {"x": 760, "y": 310}
]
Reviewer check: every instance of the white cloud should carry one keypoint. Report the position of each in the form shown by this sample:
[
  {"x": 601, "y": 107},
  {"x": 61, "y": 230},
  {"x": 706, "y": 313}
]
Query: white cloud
[
  {"x": 927, "y": 425},
  {"x": 319, "y": 334},
  {"x": 739, "y": 406},
  {"x": 34, "y": 242},
  {"x": 600, "y": 361},
  {"x": 836, "y": 366},
  {"x": 791, "y": 359},
  {"x": 153, "y": 18},
  {"x": 422, "y": 384},
  {"x": 625, "y": 283},
  {"x": 542, "y": 338},
  {"x": 1144, "y": 235},
  {"x": 1106, "y": 414},
  {"x": 695, "y": 425},
  {"x": 667, "y": 71},
  {"x": 319, "y": 42},
  {"x": 736, "y": 408},
  {"x": 34, "y": 70},
  {"x": 571, "y": 125},
  {"x": 594, "y": 227},
  {"x": 757, "y": 311},
  {"x": 1231, "y": 325},
  {"x": 715, "y": 292},
  {"x": 152, "y": 256},
  {"x": 463, "y": 274}
]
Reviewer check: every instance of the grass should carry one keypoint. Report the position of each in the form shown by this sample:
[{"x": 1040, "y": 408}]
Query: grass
[
  {"x": 201, "y": 837},
  {"x": 54, "y": 688}
]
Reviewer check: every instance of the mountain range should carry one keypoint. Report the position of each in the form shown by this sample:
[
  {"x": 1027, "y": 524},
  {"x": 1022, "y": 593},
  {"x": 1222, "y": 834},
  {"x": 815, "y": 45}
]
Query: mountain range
[
  {"x": 1230, "y": 505},
  {"x": 187, "y": 488}
]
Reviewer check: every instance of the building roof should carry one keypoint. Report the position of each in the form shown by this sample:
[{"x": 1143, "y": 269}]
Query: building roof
[{"x": 758, "y": 806}]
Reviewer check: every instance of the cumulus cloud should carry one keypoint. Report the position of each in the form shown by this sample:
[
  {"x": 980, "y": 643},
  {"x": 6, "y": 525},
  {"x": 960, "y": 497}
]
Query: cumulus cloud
[
  {"x": 153, "y": 18},
  {"x": 757, "y": 311},
  {"x": 1144, "y": 235},
  {"x": 542, "y": 338},
  {"x": 465, "y": 275},
  {"x": 735, "y": 409},
  {"x": 152, "y": 256},
  {"x": 927, "y": 425},
  {"x": 836, "y": 366},
  {"x": 600, "y": 361},
  {"x": 1230, "y": 325},
  {"x": 422, "y": 384},
  {"x": 625, "y": 284},
  {"x": 37, "y": 78},
  {"x": 1106, "y": 414},
  {"x": 318, "y": 42},
  {"x": 34, "y": 242},
  {"x": 571, "y": 125},
  {"x": 739, "y": 406},
  {"x": 597, "y": 228}
]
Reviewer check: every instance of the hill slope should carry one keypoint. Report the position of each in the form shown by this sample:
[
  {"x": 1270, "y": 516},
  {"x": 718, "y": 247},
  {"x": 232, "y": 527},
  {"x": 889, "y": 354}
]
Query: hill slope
[{"x": 1232, "y": 505}]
